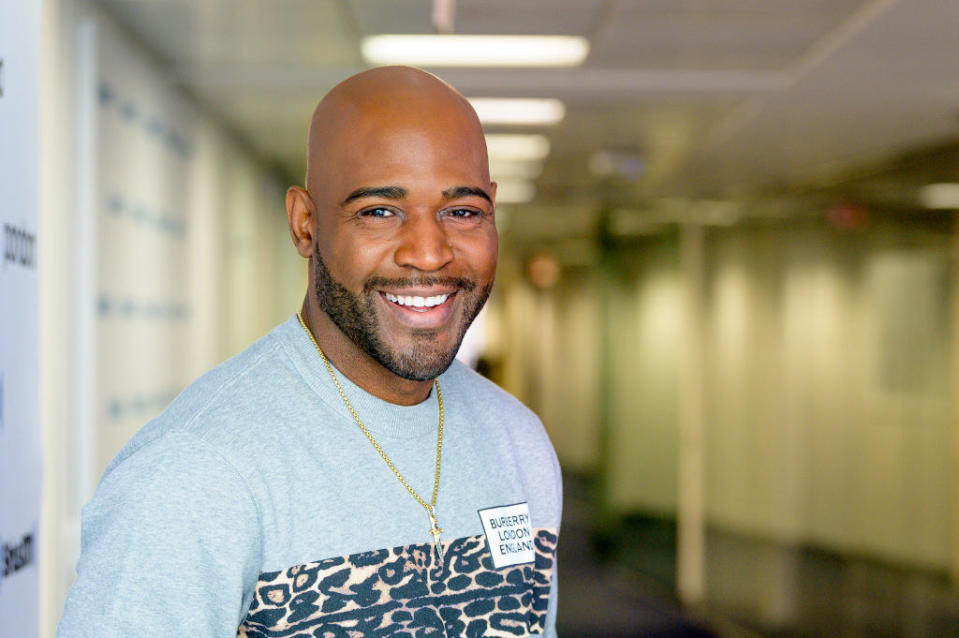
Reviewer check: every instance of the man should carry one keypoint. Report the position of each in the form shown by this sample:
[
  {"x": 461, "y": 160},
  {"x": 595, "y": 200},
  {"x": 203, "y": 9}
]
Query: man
[{"x": 344, "y": 476}]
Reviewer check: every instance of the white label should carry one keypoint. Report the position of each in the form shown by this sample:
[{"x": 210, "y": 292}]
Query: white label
[{"x": 509, "y": 534}]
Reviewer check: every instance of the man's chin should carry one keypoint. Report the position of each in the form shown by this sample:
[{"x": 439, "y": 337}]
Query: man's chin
[
  {"x": 417, "y": 370},
  {"x": 421, "y": 361}
]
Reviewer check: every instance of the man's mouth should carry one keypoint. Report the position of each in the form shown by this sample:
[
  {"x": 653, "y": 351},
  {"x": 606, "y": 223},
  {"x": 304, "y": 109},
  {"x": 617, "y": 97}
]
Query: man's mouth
[{"x": 417, "y": 303}]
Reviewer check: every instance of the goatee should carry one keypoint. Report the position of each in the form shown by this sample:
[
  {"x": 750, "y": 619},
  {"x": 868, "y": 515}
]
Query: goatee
[{"x": 356, "y": 317}]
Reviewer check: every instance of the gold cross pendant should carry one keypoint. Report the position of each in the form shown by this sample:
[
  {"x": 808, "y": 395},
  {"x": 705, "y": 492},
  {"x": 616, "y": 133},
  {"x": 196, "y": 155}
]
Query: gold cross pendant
[{"x": 435, "y": 531}]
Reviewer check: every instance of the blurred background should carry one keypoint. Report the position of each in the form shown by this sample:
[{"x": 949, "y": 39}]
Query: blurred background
[{"x": 727, "y": 284}]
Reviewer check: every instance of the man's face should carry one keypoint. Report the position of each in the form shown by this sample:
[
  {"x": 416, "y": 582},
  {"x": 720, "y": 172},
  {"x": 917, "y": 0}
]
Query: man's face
[{"x": 406, "y": 244}]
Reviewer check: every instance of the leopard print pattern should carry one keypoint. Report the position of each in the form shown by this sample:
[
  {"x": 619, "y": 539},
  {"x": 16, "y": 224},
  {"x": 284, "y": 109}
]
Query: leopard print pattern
[{"x": 405, "y": 592}]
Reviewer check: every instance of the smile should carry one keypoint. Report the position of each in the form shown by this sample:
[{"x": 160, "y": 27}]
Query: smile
[{"x": 416, "y": 302}]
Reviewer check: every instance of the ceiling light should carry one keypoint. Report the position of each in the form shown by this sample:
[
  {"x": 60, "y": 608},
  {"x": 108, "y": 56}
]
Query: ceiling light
[
  {"x": 517, "y": 147},
  {"x": 529, "y": 111},
  {"x": 525, "y": 169},
  {"x": 939, "y": 196},
  {"x": 475, "y": 50},
  {"x": 514, "y": 191}
]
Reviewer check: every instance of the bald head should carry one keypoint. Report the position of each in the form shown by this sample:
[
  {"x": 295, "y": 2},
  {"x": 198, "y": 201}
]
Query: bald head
[
  {"x": 398, "y": 222},
  {"x": 385, "y": 101}
]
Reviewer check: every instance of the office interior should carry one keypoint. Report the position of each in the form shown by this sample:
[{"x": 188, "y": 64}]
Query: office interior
[{"x": 727, "y": 283}]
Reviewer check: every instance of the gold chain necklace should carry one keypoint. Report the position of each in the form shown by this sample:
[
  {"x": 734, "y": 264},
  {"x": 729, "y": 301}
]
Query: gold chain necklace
[{"x": 430, "y": 508}]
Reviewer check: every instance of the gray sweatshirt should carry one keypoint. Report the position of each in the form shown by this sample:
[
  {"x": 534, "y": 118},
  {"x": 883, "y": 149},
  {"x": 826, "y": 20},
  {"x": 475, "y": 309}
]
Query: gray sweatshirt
[{"x": 255, "y": 506}]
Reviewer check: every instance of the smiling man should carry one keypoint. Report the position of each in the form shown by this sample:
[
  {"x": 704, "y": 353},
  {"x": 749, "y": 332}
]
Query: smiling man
[{"x": 344, "y": 475}]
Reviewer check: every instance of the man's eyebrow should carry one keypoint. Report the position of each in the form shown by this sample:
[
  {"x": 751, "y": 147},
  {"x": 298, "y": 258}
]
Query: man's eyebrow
[
  {"x": 386, "y": 192},
  {"x": 466, "y": 191}
]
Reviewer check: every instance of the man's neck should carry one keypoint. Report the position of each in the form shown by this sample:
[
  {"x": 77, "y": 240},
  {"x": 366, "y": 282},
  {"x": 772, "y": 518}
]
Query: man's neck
[{"x": 358, "y": 366}]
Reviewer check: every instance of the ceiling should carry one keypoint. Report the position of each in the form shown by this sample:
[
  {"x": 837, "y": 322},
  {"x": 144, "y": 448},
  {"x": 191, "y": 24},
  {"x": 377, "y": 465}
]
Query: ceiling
[{"x": 712, "y": 97}]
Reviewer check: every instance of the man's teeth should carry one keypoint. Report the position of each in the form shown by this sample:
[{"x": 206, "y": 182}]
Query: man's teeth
[{"x": 417, "y": 302}]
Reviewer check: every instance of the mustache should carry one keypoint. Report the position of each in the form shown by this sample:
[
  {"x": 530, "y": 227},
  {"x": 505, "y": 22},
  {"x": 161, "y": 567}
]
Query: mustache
[{"x": 460, "y": 283}]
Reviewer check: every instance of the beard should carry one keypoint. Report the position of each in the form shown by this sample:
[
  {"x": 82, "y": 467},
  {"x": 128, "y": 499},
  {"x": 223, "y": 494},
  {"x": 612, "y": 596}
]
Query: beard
[{"x": 423, "y": 359}]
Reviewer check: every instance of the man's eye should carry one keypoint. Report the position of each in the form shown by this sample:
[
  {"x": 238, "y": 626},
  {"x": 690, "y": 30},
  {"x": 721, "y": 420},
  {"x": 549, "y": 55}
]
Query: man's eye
[
  {"x": 462, "y": 213},
  {"x": 378, "y": 212}
]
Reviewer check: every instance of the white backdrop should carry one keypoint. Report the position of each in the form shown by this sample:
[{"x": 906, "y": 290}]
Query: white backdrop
[{"x": 20, "y": 437}]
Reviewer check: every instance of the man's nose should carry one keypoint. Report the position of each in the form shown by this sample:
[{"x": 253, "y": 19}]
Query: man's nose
[{"x": 424, "y": 243}]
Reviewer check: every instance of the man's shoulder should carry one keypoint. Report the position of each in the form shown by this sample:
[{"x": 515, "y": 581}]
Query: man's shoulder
[
  {"x": 212, "y": 407},
  {"x": 506, "y": 423},
  {"x": 493, "y": 409},
  {"x": 237, "y": 385}
]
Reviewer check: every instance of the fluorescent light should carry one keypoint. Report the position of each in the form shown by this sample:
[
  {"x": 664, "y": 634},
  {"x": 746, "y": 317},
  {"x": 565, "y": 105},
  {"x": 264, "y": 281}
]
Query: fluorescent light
[
  {"x": 517, "y": 147},
  {"x": 514, "y": 191},
  {"x": 526, "y": 169},
  {"x": 940, "y": 196},
  {"x": 476, "y": 50},
  {"x": 530, "y": 111}
]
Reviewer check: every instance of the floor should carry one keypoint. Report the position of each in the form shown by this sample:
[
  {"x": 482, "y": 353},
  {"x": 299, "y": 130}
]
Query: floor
[
  {"x": 606, "y": 598},
  {"x": 629, "y": 592}
]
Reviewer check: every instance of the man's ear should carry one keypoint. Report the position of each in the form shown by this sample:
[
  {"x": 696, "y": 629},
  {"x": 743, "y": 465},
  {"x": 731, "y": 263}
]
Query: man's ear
[{"x": 300, "y": 213}]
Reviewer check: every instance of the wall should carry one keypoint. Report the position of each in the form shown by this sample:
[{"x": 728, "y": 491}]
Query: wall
[
  {"x": 169, "y": 254},
  {"x": 546, "y": 343},
  {"x": 828, "y": 414},
  {"x": 645, "y": 351},
  {"x": 163, "y": 174},
  {"x": 826, "y": 377}
]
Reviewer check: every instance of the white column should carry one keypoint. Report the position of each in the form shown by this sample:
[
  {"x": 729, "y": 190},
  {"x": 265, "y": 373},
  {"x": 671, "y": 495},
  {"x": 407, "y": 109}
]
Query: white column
[
  {"x": 954, "y": 491},
  {"x": 691, "y": 520},
  {"x": 58, "y": 226}
]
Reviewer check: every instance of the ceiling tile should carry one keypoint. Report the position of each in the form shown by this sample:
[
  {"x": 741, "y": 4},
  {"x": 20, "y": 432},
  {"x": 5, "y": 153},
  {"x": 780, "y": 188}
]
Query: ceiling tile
[
  {"x": 530, "y": 17},
  {"x": 719, "y": 34},
  {"x": 240, "y": 31}
]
